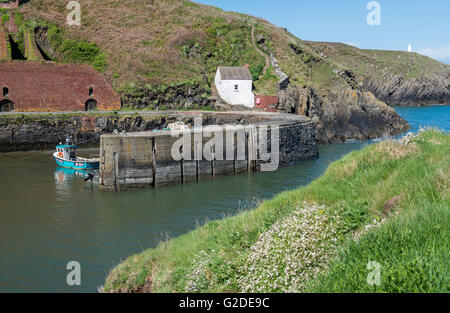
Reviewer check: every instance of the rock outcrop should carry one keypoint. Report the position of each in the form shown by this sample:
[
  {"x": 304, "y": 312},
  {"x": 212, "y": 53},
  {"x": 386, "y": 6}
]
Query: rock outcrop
[
  {"x": 23, "y": 133},
  {"x": 167, "y": 98},
  {"x": 344, "y": 114},
  {"x": 394, "y": 77},
  {"x": 416, "y": 91}
]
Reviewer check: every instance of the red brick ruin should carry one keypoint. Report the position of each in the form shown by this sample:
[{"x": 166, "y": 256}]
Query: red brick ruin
[
  {"x": 266, "y": 103},
  {"x": 28, "y": 86},
  {"x": 38, "y": 86}
]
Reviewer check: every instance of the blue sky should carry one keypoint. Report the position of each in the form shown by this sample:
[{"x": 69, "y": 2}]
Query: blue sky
[{"x": 423, "y": 24}]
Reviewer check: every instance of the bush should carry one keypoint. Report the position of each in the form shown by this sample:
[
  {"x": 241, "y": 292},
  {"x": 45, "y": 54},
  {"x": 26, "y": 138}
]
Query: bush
[
  {"x": 5, "y": 18},
  {"x": 18, "y": 18},
  {"x": 54, "y": 35},
  {"x": 100, "y": 62},
  {"x": 256, "y": 71},
  {"x": 80, "y": 51},
  {"x": 84, "y": 52}
]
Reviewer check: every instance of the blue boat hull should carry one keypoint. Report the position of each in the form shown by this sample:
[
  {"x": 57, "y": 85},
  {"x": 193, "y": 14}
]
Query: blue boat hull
[{"x": 77, "y": 165}]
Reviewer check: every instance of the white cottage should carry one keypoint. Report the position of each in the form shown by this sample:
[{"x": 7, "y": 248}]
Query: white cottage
[{"x": 234, "y": 85}]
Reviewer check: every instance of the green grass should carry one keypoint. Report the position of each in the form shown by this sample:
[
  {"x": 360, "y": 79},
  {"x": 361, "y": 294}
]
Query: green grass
[
  {"x": 411, "y": 243},
  {"x": 5, "y": 18},
  {"x": 30, "y": 54},
  {"x": 83, "y": 52},
  {"x": 413, "y": 252}
]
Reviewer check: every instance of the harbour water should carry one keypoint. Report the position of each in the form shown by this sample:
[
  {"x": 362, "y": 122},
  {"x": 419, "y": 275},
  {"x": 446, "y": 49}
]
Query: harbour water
[{"x": 50, "y": 216}]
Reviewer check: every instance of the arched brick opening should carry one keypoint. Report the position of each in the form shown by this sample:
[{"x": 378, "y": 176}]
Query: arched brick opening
[
  {"x": 6, "y": 105},
  {"x": 90, "y": 105}
]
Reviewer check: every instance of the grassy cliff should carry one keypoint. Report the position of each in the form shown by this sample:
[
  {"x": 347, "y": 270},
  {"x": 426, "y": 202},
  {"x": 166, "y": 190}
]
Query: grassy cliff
[
  {"x": 387, "y": 203},
  {"x": 169, "y": 42}
]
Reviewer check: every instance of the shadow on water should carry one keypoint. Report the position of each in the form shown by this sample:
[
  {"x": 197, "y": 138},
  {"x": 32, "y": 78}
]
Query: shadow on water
[{"x": 50, "y": 216}]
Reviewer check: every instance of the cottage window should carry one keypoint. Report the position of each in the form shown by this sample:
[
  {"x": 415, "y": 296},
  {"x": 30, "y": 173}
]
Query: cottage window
[
  {"x": 91, "y": 91},
  {"x": 5, "y": 91},
  {"x": 236, "y": 88}
]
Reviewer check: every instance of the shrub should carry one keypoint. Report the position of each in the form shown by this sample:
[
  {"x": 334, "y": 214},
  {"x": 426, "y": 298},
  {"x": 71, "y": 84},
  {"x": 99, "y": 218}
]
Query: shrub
[
  {"x": 256, "y": 71},
  {"x": 100, "y": 62},
  {"x": 79, "y": 51},
  {"x": 5, "y": 18}
]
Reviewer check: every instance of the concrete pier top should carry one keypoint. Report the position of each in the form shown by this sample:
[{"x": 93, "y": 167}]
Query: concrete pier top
[{"x": 243, "y": 118}]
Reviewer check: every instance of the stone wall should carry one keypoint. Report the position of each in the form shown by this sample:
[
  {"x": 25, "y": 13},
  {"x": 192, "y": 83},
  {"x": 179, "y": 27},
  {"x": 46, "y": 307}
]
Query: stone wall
[
  {"x": 145, "y": 159},
  {"x": 38, "y": 132}
]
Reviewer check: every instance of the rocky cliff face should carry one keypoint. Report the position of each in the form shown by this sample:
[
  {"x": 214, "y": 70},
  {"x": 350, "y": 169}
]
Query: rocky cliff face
[
  {"x": 394, "y": 77},
  {"x": 44, "y": 132},
  {"x": 167, "y": 98},
  {"x": 420, "y": 91},
  {"x": 36, "y": 132},
  {"x": 345, "y": 114}
]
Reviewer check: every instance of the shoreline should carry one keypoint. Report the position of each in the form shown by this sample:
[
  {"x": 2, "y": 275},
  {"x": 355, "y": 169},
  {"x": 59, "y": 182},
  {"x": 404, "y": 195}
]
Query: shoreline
[{"x": 18, "y": 131}]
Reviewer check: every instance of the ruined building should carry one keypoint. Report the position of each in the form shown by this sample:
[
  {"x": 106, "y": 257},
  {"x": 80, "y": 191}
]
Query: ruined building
[
  {"x": 31, "y": 86},
  {"x": 36, "y": 85}
]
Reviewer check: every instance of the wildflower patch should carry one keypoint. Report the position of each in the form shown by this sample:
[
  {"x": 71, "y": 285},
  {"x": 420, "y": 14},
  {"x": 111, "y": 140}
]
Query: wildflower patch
[{"x": 292, "y": 252}]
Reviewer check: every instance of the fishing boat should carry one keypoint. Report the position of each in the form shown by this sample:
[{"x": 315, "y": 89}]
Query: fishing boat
[{"x": 65, "y": 156}]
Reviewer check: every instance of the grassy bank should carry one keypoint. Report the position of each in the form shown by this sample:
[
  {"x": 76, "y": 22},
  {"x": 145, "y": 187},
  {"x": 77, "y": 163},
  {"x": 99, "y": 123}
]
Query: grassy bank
[{"x": 387, "y": 203}]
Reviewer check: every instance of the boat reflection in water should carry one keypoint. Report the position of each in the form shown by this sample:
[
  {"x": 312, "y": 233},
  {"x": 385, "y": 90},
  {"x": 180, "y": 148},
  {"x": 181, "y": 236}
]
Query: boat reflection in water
[
  {"x": 69, "y": 181},
  {"x": 64, "y": 175}
]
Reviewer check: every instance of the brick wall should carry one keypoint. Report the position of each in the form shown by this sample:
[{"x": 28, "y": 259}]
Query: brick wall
[
  {"x": 266, "y": 103},
  {"x": 48, "y": 86}
]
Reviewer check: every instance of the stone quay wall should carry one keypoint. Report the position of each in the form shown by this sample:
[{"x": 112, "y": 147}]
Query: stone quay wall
[{"x": 145, "y": 159}]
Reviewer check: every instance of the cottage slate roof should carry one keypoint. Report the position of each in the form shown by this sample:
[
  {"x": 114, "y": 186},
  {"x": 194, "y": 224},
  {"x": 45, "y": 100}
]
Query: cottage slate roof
[{"x": 235, "y": 73}]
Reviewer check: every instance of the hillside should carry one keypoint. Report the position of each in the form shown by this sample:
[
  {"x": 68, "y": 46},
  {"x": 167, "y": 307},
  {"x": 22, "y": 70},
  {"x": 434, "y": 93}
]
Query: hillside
[
  {"x": 163, "y": 54},
  {"x": 320, "y": 238},
  {"x": 395, "y": 77}
]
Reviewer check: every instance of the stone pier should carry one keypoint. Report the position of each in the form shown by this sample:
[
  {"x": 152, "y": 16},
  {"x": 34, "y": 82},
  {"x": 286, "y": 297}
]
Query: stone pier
[{"x": 161, "y": 158}]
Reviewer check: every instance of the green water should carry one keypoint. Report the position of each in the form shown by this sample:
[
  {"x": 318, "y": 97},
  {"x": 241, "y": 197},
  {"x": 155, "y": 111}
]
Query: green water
[{"x": 49, "y": 217}]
